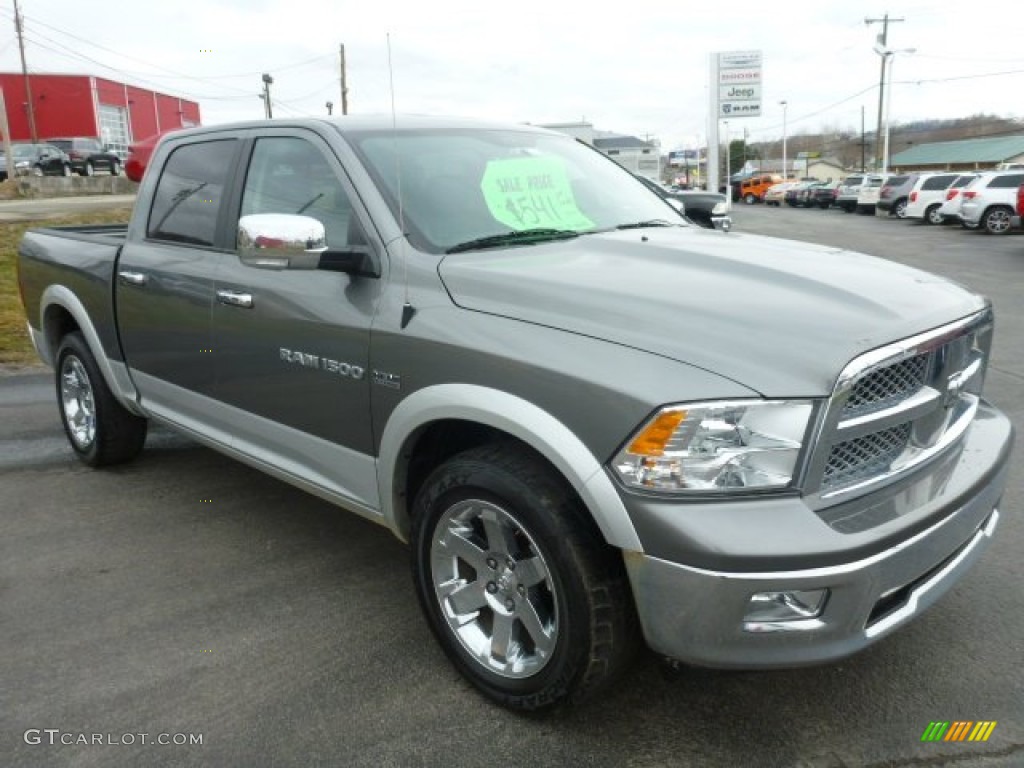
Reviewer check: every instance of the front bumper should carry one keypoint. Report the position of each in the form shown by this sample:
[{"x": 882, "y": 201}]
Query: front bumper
[{"x": 695, "y": 612}]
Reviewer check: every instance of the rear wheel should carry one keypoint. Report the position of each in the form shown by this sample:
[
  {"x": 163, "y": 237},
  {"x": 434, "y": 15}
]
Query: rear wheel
[
  {"x": 932, "y": 215},
  {"x": 518, "y": 586},
  {"x": 997, "y": 220},
  {"x": 99, "y": 428},
  {"x": 900, "y": 209}
]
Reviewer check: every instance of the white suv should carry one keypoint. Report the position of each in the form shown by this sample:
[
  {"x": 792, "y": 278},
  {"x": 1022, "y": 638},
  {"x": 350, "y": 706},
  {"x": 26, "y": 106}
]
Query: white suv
[
  {"x": 927, "y": 195},
  {"x": 849, "y": 188},
  {"x": 990, "y": 201},
  {"x": 950, "y": 209},
  {"x": 867, "y": 198}
]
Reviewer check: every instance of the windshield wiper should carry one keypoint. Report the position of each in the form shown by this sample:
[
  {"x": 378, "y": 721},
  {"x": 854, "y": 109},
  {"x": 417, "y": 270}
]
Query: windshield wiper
[
  {"x": 645, "y": 224},
  {"x": 524, "y": 237}
]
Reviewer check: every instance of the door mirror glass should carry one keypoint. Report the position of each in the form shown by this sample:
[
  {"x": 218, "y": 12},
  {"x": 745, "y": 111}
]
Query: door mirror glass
[{"x": 281, "y": 241}]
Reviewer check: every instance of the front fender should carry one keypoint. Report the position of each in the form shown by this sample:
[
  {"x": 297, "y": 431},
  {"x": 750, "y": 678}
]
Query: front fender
[{"x": 518, "y": 418}]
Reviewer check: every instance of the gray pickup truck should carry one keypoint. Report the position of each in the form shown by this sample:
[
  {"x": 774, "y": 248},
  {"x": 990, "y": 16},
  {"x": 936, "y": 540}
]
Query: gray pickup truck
[{"x": 592, "y": 422}]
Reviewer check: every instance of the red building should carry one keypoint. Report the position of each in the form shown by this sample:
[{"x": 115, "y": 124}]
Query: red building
[{"x": 82, "y": 105}]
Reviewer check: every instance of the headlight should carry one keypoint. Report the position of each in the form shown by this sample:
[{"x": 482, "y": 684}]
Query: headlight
[
  {"x": 716, "y": 447},
  {"x": 720, "y": 209},
  {"x": 22, "y": 164}
]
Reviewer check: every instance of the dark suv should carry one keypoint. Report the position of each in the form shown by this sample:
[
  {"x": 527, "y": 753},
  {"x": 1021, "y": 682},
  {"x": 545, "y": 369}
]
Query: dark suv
[{"x": 87, "y": 155}]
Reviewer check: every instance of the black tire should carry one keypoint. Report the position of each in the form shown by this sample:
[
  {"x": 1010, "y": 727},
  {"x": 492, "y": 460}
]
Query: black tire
[
  {"x": 67, "y": 170},
  {"x": 98, "y": 427},
  {"x": 88, "y": 169},
  {"x": 115, "y": 168},
  {"x": 750, "y": 198},
  {"x": 996, "y": 220},
  {"x": 932, "y": 215},
  {"x": 899, "y": 210},
  {"x": 37, "y": 170},
  {"x": 536, "y": 526}
]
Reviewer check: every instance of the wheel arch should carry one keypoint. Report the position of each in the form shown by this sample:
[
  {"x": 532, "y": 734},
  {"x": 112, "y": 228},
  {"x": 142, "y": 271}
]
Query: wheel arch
[
  {"x": 442, "y": 420},
  {"x": 60, "y": 313}
]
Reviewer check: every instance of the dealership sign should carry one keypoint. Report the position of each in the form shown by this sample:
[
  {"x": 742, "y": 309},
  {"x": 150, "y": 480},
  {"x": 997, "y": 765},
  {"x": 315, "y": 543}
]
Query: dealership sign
[{"x": 739, "y": 84}]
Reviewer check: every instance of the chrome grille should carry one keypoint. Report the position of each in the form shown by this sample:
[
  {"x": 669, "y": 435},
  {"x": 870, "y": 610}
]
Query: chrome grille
[
  {"x": 865, "y": 456},
  {"x": 894, "y": 408},
  {"x": 887, "y": 385}
]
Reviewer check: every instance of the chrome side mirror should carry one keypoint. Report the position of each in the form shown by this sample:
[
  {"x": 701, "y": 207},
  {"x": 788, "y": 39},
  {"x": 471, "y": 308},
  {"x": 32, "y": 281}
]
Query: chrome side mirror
[{"x": 281, "y": 241}]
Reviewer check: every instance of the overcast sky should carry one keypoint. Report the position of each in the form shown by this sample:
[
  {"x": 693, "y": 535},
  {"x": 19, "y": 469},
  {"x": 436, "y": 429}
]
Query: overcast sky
[{"x": 634, "y": 68}]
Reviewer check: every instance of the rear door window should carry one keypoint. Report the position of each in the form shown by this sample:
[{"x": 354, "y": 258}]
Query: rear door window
[
  {"x": 937, "y": 182},
  {"x": 1008, "y": 181},
  {"x": 189, "y": 195}
]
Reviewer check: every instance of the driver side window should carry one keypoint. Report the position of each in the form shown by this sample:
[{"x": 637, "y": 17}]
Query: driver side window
[{"x": 290, "y": 175}]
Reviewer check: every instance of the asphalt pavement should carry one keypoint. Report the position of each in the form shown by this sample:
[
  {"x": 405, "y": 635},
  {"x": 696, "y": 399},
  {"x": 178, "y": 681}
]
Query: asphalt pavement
[{"x": 185, "y": 597}]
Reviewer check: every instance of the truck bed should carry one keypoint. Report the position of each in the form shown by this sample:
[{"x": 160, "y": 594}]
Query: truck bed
[{"x": 81, "y": 260}]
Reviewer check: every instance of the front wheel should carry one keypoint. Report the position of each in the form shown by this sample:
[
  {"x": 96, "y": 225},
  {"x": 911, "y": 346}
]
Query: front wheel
[
  {"x": 89, "y": 168},
  {"x": 37, "y": 170},
  {"x": 516, "y": 583},
  {"x": 67, "y": 169},
  {"x": 115, "y": 168},
  {"x": 99, "y": 428},
  {"x": 750, "y": 198}
]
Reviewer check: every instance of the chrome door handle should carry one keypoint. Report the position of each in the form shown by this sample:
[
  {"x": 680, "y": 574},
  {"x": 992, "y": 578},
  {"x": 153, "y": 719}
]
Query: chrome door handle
[
  {"x": 234, "y": 298},
  {"x": 132, "y": 278}
]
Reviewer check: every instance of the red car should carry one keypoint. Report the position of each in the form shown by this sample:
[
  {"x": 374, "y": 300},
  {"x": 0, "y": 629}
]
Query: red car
[{"x": 139, "y": 154}]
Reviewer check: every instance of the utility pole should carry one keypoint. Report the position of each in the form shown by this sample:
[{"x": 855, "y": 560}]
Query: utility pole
[
  {"x": 267, "y": 81},
  {"x": 344, "y": 83},
  {"x": 24, "y": 71},
  {"x": 883, "y": 39}
]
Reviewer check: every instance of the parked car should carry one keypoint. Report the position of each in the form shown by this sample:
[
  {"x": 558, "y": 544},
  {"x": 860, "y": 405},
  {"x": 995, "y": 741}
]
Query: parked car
[
  {"x": 139, "y": 154},
  {"x": 990, "y": 200},
  {"x": 927, "y": 195},
  {"x": 867, "y": 197},
  {"x": 776, "y": 193},
  {"x": 849, "y": 188},
  {"x": 895, "y": 193},
  {"x": 89, "y": 154},
  {"x": 752, "y": 190},
  {"x": 950, "y": 209},
  {"x": 824, "y": 195},
  {"x": 799, "y": 195},
  {"x": 591, "y": 425},
  {"x": 1020, "y": 207},
  {"x": 36, "y": 160},
  {"x": 705, "y": 209}
]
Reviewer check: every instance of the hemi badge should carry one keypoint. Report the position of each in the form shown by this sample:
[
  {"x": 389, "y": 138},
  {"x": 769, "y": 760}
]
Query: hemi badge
[{"x": 391, "y": 380}]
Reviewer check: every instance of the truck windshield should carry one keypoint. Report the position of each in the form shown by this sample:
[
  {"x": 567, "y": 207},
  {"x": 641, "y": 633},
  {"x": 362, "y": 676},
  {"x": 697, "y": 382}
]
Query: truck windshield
[{"x": 469, "y": 189}]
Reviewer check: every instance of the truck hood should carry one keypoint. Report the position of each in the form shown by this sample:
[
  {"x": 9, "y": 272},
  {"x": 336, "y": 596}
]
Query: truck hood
[{"x": 777, "y": 316}]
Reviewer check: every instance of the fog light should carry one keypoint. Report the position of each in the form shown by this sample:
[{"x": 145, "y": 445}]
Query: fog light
[{"x": 766, "y": 611}]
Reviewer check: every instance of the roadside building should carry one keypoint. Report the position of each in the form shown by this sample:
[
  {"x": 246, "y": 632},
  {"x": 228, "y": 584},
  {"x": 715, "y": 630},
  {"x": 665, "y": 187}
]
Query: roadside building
[
  {"x": 635, "y": 155},
  {"x": 963, "y": 155},
  {"x": 83, "y": 105}
]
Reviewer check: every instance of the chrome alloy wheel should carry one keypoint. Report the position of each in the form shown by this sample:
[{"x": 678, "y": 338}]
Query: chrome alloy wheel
[
  {"x": 78, "y": 403},
  {"x": 494, "y": 588}
]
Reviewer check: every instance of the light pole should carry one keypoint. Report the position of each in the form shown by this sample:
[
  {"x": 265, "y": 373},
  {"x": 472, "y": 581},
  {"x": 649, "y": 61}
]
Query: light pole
[
  {"x": 888, "y": 55},
  {"x": 785, "y": 174},
  {"x": 728, "y": 167}
]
